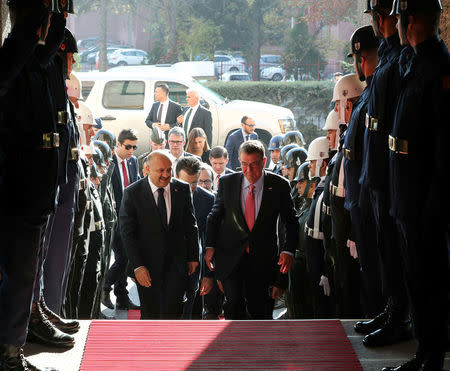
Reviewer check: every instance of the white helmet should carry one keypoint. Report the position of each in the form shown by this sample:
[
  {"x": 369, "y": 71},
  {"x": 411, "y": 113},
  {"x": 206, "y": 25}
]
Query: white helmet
[
  {"x": 84, "y": 117},
  {"x": 349, "y": 86},
  {"x": 318, "y": 150},
  {"x": 332, "y": 121},
  {"x": 73, "y": 87}
]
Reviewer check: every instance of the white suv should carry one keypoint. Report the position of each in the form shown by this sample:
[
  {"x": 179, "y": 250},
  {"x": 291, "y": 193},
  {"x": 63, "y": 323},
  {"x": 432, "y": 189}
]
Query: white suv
[
  {"x": 125, "y": 57},
  {"x": 123, "y": 100}
]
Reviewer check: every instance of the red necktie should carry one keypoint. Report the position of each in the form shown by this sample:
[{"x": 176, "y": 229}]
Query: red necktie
[
  {"x": 126, "y": 182},
  {"x": 250, "y": 210}
]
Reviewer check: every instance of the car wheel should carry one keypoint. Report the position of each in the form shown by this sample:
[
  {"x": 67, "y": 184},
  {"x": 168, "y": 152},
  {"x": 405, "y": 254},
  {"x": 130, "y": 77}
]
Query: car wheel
[
  {"x": 122, "y": 63},
  {"x": 277, "y": 77},
  {"x": 234, "y": 69}
]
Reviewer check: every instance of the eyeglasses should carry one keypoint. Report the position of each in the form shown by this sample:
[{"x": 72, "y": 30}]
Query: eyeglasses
[
  {"x": 206, "y": 182},
  {"x": 177, "y": 142},
  {"x": 250, "y": 126},
  {"x": 129, "y": 146},
  {"x": 253, "y": 165}
]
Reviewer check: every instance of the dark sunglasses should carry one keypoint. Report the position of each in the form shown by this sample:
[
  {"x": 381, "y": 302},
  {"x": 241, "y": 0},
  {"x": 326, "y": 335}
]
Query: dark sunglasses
[{"x": 129, "y": 146}]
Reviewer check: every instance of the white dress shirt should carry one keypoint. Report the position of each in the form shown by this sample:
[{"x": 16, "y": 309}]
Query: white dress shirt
[
  {"x": 166, "y": 197},
  {"x": 215, "y": 185},
  {"x": 193, "y": 112},
  {"x": 119, "y": 164},
  {"x": 164, "y": 110}
]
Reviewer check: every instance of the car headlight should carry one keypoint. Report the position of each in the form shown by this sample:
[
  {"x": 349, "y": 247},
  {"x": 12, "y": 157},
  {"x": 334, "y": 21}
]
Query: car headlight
[{"x": 287, "y": 125}]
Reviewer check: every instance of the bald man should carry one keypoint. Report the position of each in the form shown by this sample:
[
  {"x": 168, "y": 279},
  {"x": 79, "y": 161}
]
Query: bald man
[{"x": 160, "y": 232}]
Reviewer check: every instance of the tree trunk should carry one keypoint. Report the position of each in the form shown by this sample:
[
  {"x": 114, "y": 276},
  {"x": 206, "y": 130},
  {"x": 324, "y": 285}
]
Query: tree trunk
[
  {"x": 102, "y": 56},
  {"x": 255, "y": 48},
  {"x": 445, "y": 22},
  {"x": 172, "y": 55}
]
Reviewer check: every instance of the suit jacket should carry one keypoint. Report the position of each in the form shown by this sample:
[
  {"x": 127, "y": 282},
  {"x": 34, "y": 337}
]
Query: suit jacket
[
  {"x": 228, "y": 233},
  {"x": 232, "y": 145},
  {"x": 148, "y": 243},
  {"x": 173, "y": 111},
  {"x": 116, "y": 180},
  {"x": 203, "y": 203},
  {"x": 202, "y": 119}
]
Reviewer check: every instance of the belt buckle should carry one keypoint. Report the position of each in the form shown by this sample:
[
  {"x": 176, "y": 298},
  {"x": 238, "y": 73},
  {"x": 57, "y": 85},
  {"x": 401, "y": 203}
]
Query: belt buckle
[
  {"x": 63, "y": 117},
  {"x": 367, "y": 120},
  {"x": 50, "y": 140},
  {"x": 83, "y": 184},
  {"x": 348, "y": 153},
  {"x": 374, "y": 124},
  {"x": 75, "y": 153},
  {"x": 392, "y": 143}
]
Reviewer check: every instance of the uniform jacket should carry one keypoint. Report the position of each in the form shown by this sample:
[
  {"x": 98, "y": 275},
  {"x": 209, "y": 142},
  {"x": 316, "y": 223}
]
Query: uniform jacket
[
  {"x": 232, "y": 145},
  {"x": 228, "y": 233}
]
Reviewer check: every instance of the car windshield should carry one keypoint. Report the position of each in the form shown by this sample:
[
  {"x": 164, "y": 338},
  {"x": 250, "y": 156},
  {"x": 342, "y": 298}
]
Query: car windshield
[{"x": 208, "y": 93}]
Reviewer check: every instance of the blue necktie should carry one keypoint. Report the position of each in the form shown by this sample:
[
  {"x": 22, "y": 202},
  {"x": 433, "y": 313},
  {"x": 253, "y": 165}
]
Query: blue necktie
[{"x": 162, "y": 207}]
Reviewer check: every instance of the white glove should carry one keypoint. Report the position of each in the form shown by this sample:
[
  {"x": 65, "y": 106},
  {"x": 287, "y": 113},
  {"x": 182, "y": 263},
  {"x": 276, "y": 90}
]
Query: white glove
[
  {"x": 325, "y": 284},
  {"x": 352, "y": 246}
]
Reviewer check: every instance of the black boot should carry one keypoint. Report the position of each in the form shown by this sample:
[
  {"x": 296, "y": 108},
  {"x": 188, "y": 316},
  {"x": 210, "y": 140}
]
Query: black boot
[
  {"x": 125, "y": 304},
  {"x": 366, "y": 327},
  {"x": 106, "y": 300},
  {"x": 41, "y": 330},
  {"x": 12, "y": 359},
  {"x": 69, "y": 327},
  {"x": 411, "y": 365}
]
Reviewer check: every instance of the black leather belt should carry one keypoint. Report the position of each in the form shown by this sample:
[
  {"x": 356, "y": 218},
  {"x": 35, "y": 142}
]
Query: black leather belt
[
  {"x": 310, "y": 233},
  {"x": 336, "y": 191},
  {"x": 398, "y": 145},
  {"x": 50, "y": 140},
  {"x": 62, "y": 117}
]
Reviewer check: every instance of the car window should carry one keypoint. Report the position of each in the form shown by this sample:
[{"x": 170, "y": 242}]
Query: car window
[
  {"x": 141, "y": 54},
  {"x": 177, "y": 92},
  {"x": 86, "y": 87},
  {"x": 124, "y": 95}
]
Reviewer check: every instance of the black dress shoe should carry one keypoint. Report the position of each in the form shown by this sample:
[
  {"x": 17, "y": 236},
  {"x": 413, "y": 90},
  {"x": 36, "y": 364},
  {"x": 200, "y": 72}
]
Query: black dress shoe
[
  {"x": 12, "y": 359},
  {"x": 42, "y": 331},
  {"x": 102, "y": 315},
  {"x": 391, "y": 333},
  {"x": 69, "y": 327},
  {"x": 126, "y": 304},
  {"x": 366, "y": 327},
  {"x": 411, "y": 365},
  {"x": 106, "y": 300}
]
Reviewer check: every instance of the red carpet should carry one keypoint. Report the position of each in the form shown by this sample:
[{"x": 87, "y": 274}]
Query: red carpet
[{"x": 218, "y": 345}]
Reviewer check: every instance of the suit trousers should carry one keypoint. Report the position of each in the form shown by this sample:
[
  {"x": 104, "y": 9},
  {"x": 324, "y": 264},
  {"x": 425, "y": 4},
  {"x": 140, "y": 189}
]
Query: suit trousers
[
  {"x": 247, "y": 292},
  {"x": 22, "y": 241},
  {"x": 164, "y": 299},
  {"x": 117, "y": 273}
]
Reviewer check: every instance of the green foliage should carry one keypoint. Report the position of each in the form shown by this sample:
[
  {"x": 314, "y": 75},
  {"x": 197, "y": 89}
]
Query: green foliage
[{"x": 309, "y": 100}]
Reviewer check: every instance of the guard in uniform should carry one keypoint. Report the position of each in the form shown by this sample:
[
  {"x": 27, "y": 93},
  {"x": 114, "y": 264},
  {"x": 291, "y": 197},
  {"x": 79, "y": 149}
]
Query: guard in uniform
[
  {"x": 26, "y": 112},
  {"x": 275, "y": 145},
  {"x": 315, "y": 253},
  {"x": 347, "y": 277},
  {"x": 90, "y": 288},
  {"x": 283, "y": 153},
  {"x": 294, "y": 158},
  {"x": 392, "y": 324},
  {"x": 364, "y": 46},
  {"x": 419, "y": 205},
  {"x": 299, "y": 296}
]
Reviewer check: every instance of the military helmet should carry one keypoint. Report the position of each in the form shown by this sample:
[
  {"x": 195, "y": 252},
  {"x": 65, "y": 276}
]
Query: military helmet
[
  {"x": 94, "y": 171},
  {"x": 293, "y": 137},
  {"x": 107, "y": 136},
  {"x": 84, "y": 115},
  {"x": 276, "y": 142},
  {"x": 416, "y": 6},
  {"x": 377, "y": 5},
  {"x": 285, "y": 150},
  {"x": 318, "y": 149},
  {"x": 157, "y": 136},
  {"x": 303, "y": 172},
  {"x": 295, "y": 157},
  {"x": 52, "y": 5},
  {"x": 104, "y": 149},
  {"x": 332, "y": 121},
  {"x": 363, "y": 39},
  {"x": 348, "y": 87},
  {"x": 97, "y": 156},
  {"x": 69, "y": 44},
  {"x": 73, "y": 87}
]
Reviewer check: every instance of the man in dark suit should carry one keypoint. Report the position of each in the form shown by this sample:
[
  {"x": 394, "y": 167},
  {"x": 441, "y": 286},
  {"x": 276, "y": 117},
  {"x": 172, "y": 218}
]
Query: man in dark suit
[
  {"x": 218, "y": 157},
  {"x": 247, "y": 132},
  {"x": 126, "y": 172},
  {"x": 242, "y": 235},
  {"x": 177, "y": 140},
  {"x": 188, "y": 170},
  {"x": 164, "y": 112},
  {"x": 160, "y": 232},
  {"x": 195, "y": 116}
]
